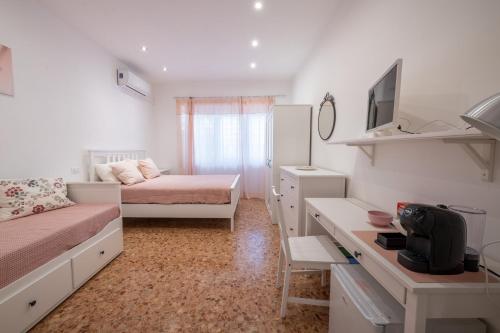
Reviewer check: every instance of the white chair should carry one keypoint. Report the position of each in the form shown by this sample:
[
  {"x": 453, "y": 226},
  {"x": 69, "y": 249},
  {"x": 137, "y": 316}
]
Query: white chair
[{"x": 303, "y": 253}]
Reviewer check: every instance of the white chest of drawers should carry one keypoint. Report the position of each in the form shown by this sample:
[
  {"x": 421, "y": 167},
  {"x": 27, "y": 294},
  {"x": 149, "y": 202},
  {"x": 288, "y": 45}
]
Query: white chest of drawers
[{"x": 295, "y": 185}]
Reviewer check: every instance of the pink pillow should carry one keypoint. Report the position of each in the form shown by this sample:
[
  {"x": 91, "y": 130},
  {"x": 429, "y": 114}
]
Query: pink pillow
[
  {"x": 149, "y": 168},
  {"x": 127, "y": 172}
]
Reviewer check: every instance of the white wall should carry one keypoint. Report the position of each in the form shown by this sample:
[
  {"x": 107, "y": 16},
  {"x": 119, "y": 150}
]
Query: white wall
[
  {"x": 451, "y": 58},
  {"x": 66, "y": 99},
  {"x": 165, "y": 130}
]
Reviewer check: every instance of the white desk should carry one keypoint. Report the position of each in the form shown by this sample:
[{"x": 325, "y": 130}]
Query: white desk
[{"x": 340, "y": 217}]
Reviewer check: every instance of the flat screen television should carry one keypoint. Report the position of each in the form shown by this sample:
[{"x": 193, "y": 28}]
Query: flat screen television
[{"x": 383, "y": 99}]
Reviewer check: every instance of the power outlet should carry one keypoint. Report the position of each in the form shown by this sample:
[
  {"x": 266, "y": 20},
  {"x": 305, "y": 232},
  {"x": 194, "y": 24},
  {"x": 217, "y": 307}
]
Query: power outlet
[{"x": 75, "y": 170}]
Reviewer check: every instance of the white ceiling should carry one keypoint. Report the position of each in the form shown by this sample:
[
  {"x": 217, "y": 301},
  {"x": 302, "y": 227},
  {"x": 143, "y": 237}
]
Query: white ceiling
[{"x": 202, "y": 39}]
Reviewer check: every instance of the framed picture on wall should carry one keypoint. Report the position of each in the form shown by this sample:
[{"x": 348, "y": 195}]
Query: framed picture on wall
[{"x": 6, "y": 76}]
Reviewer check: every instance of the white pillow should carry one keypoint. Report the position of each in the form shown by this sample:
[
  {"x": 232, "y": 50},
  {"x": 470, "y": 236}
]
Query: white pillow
[
  {"x": 127, "y": 172},
  {"x": 149, "y": 168},
  {"x": 105, "y": 173}
]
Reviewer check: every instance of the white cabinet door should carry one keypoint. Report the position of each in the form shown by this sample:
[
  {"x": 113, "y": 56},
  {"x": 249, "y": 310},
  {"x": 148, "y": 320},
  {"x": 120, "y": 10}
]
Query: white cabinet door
[
  {"x": 269, "y": 160},
  {"x": 287, "y": 143},
  {"x": 344, "y": 315}
]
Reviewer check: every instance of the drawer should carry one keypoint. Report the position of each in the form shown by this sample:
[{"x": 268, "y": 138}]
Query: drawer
[
  {"x": 293, "y": 198},
  {"x": 290, "y": 198},
  {"x": 397, "y": 290},
  {"x": 90, "y": 260},
  {"x": 291, "y": 217},
  {"x": 284, "y": 182},
  {"x": 26, "y": 307},
  {"x": 292, "y": 224},
  {"x": 287, "y": 183},
  {"x": 325, "y": 223},
  {"x": 292, "y": 188},
  {"x": 289, "y": 203}
]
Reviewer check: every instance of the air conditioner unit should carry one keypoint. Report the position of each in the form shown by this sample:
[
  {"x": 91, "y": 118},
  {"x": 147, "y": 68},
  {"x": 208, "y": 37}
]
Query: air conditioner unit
[{"x": 129, "y": 80}]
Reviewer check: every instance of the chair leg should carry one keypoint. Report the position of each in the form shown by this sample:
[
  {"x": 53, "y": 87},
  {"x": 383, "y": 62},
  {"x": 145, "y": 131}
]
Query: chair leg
[
  {"x": 284, "y": 299},
  {"x": 232, "y": 223},
  {"x": 323, "y": 278},
  {"x": 280, "y": 268}
]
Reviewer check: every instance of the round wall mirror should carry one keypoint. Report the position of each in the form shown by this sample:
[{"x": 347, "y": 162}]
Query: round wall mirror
[{"x": 326, "y": 118}]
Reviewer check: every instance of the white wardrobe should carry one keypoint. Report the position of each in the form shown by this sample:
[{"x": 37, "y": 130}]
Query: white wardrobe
[{"x": 288, "y": 142}]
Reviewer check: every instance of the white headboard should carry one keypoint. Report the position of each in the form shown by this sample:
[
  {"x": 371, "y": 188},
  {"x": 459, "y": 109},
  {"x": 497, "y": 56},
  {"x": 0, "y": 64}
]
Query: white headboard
[{"x": 109, "y": 156}]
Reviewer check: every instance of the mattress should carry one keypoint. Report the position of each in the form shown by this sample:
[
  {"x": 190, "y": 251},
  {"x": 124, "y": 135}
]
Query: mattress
[
  {"x": 180, "y": 189},
  {"x": 29, "y": 242}
]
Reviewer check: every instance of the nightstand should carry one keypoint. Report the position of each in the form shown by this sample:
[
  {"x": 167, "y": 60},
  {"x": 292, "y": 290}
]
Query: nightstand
[{"x": 165, "y": 171}]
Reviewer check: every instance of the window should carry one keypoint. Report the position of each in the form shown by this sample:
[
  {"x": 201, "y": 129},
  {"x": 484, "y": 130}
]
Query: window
[{"x": 225, "y": 136}]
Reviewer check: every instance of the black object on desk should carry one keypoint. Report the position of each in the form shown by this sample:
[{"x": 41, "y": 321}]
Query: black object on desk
[
  {"x": 435, "y": 242},
  {"x": 471, "y": 260},
  {"x": 391, "y": 240}
]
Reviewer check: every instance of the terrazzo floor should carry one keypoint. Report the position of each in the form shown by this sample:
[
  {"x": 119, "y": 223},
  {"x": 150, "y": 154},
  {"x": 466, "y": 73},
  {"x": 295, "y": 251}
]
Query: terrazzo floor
[{"x": 192, "y": 276}]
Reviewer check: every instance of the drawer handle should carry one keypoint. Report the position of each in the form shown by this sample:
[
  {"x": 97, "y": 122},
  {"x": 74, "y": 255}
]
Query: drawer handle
[
  {"x": 101, "y": 253},
  {"x": 282, "y": 179},
  {"x": 316, "y": 215},
  {"x": 291, "y": 229},
  {"x": 32, "y": 303},
  {"x": 357, "y": 254},
  {"x": 281, "y": 194},
  {"x": 292, "y": 187},
  {"x": 291, "y": 206}
]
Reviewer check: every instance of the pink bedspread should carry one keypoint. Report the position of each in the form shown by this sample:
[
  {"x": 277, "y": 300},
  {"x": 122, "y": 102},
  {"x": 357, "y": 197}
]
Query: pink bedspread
[
  {"x": 179, "y": 189},
  {"x": 29, "y": 242}
]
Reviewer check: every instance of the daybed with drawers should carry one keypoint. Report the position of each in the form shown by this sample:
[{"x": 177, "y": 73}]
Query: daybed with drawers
[{"x": 46, "y": 257}]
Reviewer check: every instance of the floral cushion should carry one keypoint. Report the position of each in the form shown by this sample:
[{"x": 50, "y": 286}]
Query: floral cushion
[{"x": 31, "y": 196}]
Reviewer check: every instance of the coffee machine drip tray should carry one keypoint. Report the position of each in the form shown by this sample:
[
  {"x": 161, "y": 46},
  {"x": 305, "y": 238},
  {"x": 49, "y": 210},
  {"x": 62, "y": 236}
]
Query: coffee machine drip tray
[{"x": 413, "y": 261}]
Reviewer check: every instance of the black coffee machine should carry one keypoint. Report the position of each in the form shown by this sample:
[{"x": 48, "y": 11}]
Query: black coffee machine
[{"x": 435, "y": 242}]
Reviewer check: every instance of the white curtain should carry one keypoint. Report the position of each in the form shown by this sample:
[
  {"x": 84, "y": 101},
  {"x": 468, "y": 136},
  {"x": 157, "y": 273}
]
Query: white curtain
[{"x": 225, "y": 136}]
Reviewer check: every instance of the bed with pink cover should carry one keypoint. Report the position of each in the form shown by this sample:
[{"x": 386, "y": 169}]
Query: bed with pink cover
[
  {"x": 29, "y": 242},
  {"x": 172, "y": 196},
  {"x": 180, "y": 189}
]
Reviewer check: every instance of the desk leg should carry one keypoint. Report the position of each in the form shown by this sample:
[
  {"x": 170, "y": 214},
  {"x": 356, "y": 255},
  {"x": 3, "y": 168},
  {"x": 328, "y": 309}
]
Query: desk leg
[
  {"x": 307, "y": 232},
  {"x": 415, "y": 313}
]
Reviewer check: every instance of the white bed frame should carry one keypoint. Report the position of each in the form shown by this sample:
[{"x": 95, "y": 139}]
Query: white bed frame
[
  {"x": 159, "y": 210},
  {"x": 24, "y": 302}
]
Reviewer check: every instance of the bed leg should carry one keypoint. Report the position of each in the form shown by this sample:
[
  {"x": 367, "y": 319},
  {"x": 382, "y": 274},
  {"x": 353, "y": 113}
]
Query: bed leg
[{"x": 232, "y": 223}]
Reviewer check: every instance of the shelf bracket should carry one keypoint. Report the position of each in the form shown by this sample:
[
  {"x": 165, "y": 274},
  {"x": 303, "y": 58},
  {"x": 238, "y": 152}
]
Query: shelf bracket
[
  {"x": 369, "y": 151},
  {"x": 485, "y": 161}
]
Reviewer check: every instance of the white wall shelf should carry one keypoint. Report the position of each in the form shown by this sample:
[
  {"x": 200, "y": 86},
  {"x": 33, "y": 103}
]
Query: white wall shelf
[{"x": 468, "y": 140}]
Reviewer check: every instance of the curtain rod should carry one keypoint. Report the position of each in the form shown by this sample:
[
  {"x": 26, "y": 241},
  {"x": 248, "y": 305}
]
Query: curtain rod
[{"x": 178, "y": 97}]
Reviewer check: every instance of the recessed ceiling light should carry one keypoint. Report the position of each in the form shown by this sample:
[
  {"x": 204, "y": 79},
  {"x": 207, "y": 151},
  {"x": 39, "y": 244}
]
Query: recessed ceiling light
[
  {"x": 258, "y": 5},
  {"x": 164, "y": 68},
  {"x": 144, "y": 48},
  {"x": 253, "y": 65},
  {"x": 255, "y": 43}
]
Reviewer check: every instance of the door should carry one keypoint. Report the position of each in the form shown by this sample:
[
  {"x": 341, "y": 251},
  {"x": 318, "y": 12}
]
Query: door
[
  {"x": 269, "y": 163},
  {"x": 344, "y": 315}
]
